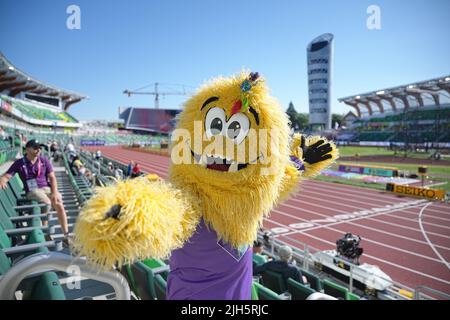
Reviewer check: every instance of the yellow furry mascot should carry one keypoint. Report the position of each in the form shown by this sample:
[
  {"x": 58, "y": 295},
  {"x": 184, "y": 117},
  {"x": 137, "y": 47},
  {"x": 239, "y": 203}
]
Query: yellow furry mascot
[{"x": 232, "y": 161}]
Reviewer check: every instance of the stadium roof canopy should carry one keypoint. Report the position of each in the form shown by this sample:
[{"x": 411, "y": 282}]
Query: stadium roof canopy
[
  {"x": 401, "y": 97},
  {"x": 16, "y": 81}
]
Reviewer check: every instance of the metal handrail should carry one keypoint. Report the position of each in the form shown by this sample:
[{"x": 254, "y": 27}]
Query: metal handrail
[
  {"x": 303, "y": 257},
  {"x": 420, "y": 289},
  {"x": 43, "y": 262}
]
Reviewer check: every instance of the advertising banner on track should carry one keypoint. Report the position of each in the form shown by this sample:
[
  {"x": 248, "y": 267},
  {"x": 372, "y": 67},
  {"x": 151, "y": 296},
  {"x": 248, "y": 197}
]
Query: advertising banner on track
[
  {"x": 432, "y": 194},
  {"x": 92, "y": 142}
]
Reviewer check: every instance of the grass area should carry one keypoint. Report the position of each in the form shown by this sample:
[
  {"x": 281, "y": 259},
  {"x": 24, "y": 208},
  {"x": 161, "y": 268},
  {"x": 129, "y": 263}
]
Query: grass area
[
  {"x": 377, "y": 186},
  {"x": 351, "y": 182},
  {"x": 351, "y": 151},
  {"x": 433, "y": 170},
  {"x": 348, "y": 151},
  {"x": 438, "y": 174}
]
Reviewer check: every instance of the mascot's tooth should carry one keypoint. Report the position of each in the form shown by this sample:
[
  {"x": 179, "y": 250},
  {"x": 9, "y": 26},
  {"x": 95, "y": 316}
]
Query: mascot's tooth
[{"x": 233, "y": 167}]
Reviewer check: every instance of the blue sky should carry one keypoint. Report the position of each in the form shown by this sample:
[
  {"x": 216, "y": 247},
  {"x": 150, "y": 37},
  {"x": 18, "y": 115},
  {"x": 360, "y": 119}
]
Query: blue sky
[{"x": 129, "y": 44}]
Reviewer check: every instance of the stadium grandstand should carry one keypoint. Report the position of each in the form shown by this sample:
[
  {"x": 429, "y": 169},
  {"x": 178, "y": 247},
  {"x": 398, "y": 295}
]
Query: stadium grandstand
[
  {"x": 28, "y": 103},
  {"x": 415, "y": 113},
  {"x": 146, "y": 120}
]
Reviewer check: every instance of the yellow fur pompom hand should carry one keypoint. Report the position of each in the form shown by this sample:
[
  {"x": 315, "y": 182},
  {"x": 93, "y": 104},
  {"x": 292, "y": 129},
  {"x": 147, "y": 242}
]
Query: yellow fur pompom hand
[
  {"x": 133, "y": 220},
  {"x": 316, "y": 153}
]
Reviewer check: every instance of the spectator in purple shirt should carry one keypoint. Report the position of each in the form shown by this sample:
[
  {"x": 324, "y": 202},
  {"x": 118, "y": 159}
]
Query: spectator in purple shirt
[{"x": 39, "y": 180}]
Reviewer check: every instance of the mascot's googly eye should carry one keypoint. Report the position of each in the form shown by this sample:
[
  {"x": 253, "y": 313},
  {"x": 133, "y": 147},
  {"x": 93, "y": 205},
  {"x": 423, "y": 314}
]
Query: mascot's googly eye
[
  {"x": 237, "y": 127},
  {"x": 214, "y": 122}
]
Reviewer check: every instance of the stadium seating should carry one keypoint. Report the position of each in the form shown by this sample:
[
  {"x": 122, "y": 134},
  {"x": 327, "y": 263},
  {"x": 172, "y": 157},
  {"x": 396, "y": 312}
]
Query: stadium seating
[
  {"x": 160, "y": 287},
  {"x": 313, "y": 280},
  {"x": 335, "y": 290},
  {"x": 144, "y": 275},
  {"x": 264, "y": 293},
  {"x": 298, "y": 290},
  {"x": 415, "y": 125},
  {"x": 274, "y": 281},
  {"x": 42, "y": 287},
  {"x": 33, "y": 111}
]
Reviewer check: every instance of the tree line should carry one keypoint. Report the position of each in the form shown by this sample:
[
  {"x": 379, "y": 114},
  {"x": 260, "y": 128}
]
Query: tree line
[{"x": 299, "y": 121}]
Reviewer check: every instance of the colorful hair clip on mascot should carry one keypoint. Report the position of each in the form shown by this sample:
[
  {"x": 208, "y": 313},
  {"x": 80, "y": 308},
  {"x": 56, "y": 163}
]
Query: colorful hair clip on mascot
[{"x": 205, "y": 217}]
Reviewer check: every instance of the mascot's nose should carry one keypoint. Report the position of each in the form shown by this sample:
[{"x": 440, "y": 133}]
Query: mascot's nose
[{"x": 113, "y": 212}]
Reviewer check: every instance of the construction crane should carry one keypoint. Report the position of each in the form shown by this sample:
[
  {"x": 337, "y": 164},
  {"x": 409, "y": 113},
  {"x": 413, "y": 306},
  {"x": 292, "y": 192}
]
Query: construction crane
[{"x": 156, "y": 93}]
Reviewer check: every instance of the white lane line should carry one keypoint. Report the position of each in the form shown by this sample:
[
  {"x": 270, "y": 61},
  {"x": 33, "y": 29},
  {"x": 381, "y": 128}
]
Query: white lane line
[
  {"x": 368, "y": 203},
  {"x": 361, "y": 191},
  {"x": 447, "y": 212},
  {"x": 339, "y": 192},
  {"x": 367, "y": 239},
  {"x": 360, "y": 208},
  {"x": 368, "y": 217},
  {"x": 350, "y": 221},
  {"x": 438, "y": 218},
  {"x": 428, "y": 240},
  {"x": 367, "y": 255},
  {"x": 408, "y": 228}
]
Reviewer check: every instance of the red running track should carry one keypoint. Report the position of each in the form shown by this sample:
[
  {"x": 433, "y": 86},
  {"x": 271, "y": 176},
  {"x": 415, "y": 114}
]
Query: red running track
[{"x": 409, "y": 239}]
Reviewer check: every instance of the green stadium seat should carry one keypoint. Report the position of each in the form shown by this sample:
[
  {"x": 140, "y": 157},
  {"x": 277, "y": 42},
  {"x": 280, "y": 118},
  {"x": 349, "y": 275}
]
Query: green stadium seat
[
  {"x": 352, "y": 296},
  {"x": 156, "y": 263},
  {"x": 335, "y": 290},
  {"x": 144, "y": 277},
  {"x": 47, "y": 288},
  {"x": 313, "y": 280},
  {"x": 274, "y": 281},
  {"x": 265, "y": 293},
  {"x": 160, "y": 287},
  {"x": 34, "y": 242},
  {"x": 42, "y": 287},
  {"x": 8, "y": 213},
  {"x": 298, "y": 290},
  {"x": 254, "y": 291}
]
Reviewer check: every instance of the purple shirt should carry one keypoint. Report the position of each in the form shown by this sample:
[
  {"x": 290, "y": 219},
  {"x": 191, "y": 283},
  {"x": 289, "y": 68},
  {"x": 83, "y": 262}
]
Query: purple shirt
[
  {"x": 28, "y": 171},
  {"x": 207, "y": 269}
]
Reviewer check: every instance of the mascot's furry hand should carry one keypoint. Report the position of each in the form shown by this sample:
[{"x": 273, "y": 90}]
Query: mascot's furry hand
[
  {"x": 312, "y": 154},
  {"x": 319, "y": 151}
]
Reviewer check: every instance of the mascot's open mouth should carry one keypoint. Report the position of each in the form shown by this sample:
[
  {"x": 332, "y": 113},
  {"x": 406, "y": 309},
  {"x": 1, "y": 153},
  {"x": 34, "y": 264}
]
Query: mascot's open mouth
[{"x": 218, "y": 163}]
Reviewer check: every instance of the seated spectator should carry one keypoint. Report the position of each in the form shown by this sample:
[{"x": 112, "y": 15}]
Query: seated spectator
[
  {"x": 283, "y": 266},
  {"x": 118, "y": 174},
  {"x": 76, "y": 165},
  {"x": 70, "y": 148},
  {"x": 2, "y": 134},
  {"x": 130, "y": 168},
  {"x": 258, "y": 257},
  {"x": 136, "y": 172},
  {"x": 110, "y": 169},
  {"x": 53, "y": 147},
  {"x": 39, "y": 180},
  {"x": 98, "y": 155},
  {"x": 267, "y": 237}
]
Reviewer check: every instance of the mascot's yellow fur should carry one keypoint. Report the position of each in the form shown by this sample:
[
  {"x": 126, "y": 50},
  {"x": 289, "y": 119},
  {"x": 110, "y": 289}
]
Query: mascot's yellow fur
[{"x": 214, "y": 178}]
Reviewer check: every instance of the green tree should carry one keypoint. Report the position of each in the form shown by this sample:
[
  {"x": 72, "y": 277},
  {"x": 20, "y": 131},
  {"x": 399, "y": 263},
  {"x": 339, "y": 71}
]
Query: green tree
[
  {"x": 302, "y": 121},
  {"x": 292, "y": 114},
  {"x": 299, "y": 121},
  {"x": 336, "y": 118}
]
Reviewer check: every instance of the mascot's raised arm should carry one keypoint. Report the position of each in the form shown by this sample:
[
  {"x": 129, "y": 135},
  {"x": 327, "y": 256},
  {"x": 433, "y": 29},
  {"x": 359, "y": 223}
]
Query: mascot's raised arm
[{"x": 232, "y": 161}]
